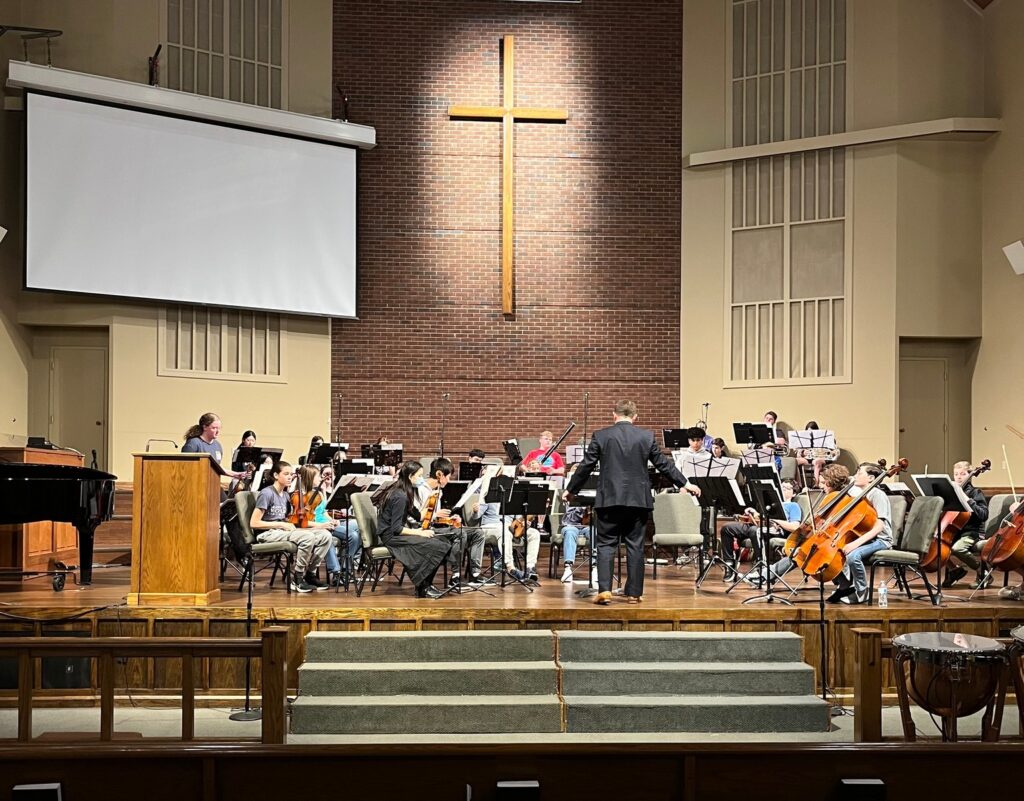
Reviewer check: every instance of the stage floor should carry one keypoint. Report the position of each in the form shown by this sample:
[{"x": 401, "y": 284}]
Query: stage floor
[{"x": 671, "y": 603}]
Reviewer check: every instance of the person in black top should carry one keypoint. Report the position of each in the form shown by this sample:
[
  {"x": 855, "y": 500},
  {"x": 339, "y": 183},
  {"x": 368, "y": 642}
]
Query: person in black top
[
  {"x": 963, "y": 549},
  {"x": 416, "y": 548},
  {"x": 624, "y": 502}
]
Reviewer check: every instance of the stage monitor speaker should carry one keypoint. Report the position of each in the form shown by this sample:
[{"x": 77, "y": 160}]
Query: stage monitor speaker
[
  {"x": 1015, "y": 255},
  {"x": 66, "y": 672},
  {"x": 36, "y": 792},
  {"x": 528, "y": 790}
]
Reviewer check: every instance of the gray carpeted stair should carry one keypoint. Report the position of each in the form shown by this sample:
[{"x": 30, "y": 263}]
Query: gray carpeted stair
[
  {"x": 508, "y": 681},
  {"x": 428, "y": 682},
  {"x": 687, "y": 681}
]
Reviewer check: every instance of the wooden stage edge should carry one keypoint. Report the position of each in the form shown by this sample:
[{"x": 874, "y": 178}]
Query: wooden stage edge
[{"x": 671, "y": 604}]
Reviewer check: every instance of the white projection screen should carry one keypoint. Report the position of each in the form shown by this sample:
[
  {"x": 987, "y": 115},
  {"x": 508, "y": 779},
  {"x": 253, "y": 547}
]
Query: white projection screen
[{"x": 139, "y": 205}]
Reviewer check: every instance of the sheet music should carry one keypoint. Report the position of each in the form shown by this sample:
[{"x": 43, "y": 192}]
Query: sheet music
[
  {"x": 812, "y": 438},
  {"x": 758, "y": 456}
]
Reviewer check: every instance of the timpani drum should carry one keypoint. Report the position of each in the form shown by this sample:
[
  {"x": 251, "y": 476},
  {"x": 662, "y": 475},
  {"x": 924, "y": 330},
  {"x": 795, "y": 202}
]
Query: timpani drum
[
  {"x": 1017, "y": 671},
  {"x": 952, "y": 676}
]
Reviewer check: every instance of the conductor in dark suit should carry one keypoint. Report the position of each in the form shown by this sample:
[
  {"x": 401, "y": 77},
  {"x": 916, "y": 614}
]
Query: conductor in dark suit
[{"x": 624, "y": 502}]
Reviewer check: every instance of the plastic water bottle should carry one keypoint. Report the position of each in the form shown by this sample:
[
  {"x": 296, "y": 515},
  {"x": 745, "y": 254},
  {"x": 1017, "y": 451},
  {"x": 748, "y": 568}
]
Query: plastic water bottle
[{"x": 883, "y": 595}]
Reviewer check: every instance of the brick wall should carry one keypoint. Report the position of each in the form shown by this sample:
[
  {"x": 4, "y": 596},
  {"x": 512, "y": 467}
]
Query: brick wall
[{"x": 597, "y": 214}]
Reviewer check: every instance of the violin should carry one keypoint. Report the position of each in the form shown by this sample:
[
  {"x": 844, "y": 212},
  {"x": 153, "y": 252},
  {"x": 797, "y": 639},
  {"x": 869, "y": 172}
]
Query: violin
[
  {"x": 844, "y": 518},
  {"x": 304, "y": 505},
  {"x": 429, "y": 514},
  {"x": 518, "y": 527},
  {"x": 949, "y": 527}
]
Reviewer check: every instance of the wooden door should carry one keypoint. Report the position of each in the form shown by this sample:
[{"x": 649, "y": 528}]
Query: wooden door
[{"x": 78, "y": 401}]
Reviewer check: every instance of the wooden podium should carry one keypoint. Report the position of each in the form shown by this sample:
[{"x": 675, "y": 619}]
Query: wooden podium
[{"x": 175, "y": 530}]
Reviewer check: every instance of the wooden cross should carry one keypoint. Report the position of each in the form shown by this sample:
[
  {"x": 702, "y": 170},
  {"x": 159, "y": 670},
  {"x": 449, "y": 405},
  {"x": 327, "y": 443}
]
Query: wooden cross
[{"x": 508, "y": 114}]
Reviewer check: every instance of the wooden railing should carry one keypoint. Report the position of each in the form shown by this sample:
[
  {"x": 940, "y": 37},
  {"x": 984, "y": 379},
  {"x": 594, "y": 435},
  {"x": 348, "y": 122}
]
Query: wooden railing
[
  {"x": 869, "y": 648},
  {"x": 270, "y": 648}
]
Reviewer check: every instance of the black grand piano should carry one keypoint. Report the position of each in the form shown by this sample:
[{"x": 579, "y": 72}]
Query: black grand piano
[{"x": 78, "y": 495}]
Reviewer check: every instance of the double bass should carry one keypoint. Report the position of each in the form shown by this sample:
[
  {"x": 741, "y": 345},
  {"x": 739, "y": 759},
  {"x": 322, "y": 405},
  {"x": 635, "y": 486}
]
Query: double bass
[
  {"x": 820, "y": 556},
  {"x": 949, "y": 527}
]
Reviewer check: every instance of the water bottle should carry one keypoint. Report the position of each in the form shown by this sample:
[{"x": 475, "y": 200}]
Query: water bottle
[{"x": 883, "y": 595}]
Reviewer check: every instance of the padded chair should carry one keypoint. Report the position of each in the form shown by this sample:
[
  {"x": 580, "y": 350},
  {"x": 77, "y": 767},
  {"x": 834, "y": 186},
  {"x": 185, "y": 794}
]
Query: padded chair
[
  {"x": 918, "y": 533},
  {"x": 998, "y": 509},
  {"x": 275, "y": 552},
  {"x": 375, "y": 556},
  {"x": 898, "y": 505},
  {"x": 788, "y": 469},
  {"x": 677, "y": 525}
]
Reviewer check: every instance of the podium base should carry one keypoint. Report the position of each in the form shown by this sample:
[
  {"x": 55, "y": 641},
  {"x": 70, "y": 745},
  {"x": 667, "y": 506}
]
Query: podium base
[{"x": 173, "y": 598}]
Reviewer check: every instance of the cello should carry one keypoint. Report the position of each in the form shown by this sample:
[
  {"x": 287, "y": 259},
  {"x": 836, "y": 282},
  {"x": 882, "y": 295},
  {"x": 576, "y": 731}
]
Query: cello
[
  {"x": 820, "y": 556},
  {"x": 1005, "y": 549},
  {"x": 949, "y": 527}
]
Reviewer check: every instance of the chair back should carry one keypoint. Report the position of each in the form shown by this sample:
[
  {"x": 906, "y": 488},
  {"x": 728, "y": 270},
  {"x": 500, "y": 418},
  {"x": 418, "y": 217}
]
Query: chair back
[
  {"x": 788, "y": 468},
  {"x": 998, "y": 508},
  {"x": 921, "y": 524},
  {"x": 366, "y": 517},
  {"x": 805, "y": 505},
  {"x": 245, "y": 502},
  {"x": 898, "y": 505},
  {"x": 676, "y": 513}
]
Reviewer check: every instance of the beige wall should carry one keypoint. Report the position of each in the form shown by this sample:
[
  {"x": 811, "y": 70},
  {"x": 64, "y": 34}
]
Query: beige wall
[
  {"x": 862, "y": 412},
  {"x": 114, "y": 38},
  {"x": 998, "y": 381}
]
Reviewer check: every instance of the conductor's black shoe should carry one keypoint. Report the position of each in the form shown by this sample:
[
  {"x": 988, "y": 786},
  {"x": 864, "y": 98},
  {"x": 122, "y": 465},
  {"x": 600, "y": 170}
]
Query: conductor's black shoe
[
  {"x": 839, "y": 594},
  {"x": 429, "y": 591},
  {"x": 953, "y": 575}
]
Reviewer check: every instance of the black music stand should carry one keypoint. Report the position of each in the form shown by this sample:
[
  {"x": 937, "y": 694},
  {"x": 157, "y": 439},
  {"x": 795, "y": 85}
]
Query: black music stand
[
  {"x": 953, "y": 500},
  {"x": 327, "y": 453},
  {"x": 517, "y": 498},
  {"x": 511, "y": 446},
  {"x": 589, "y": 486},
  {"x": 255, "y": 455},
  {"x": 752, "y": 435},
  {"x": 767, "y": 500},
  {"x": 347, "y": 467},
  {"x": 341, "y": 500},
  {"x": 470, "y": 471},
  {"x": 722, "y": 494},
  {"x": 675, "y": 438}
]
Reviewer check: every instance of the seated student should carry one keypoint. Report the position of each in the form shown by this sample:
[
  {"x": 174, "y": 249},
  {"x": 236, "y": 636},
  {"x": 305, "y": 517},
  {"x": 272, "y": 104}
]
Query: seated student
[
  {"x": 852, "y": 583},
  {"x": 417, "y": 548},
  {"x": 441, "y": 470},
  {"x": 270, "y": 523},
  {"x": 833, "y": 478},
  {"x": 962, "y": 554},
  {"x": 575, "y": 524},
  {"x": 346, "y": 533},
  {"x": 552, "y": 466},
  {"x": 819, "y": 461},
  {"x": 707, "y": 440},
  {"x": 733, "y": 534},
  {"x": 718, "y": 449}
]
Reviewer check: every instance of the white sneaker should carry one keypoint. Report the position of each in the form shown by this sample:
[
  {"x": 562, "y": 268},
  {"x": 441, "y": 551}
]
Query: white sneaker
[
  {"x": 567, "y": 573},
  {"x": 1013, "y": 593}
]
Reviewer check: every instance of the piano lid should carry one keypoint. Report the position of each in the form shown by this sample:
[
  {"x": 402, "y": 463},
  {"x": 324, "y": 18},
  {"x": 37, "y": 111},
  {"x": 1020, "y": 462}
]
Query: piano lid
[{"x": 15, "y": 471}]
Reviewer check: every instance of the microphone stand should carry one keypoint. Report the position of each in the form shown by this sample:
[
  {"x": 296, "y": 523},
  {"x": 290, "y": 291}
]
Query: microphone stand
[
  {"x": 444, "y": 415},
  {"x": 586, "y": 415}
]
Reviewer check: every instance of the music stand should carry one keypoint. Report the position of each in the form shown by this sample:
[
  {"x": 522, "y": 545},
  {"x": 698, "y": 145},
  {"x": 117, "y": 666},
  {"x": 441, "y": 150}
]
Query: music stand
[
  {"x": 758, "y": 456},
  {"x": 512, "y": 452},
  {"x": 255, "y": 455},
  {"x": 751, "y": 434},
  {"x": 953, "y": 500},
  {"x": 354, "y": 467},
  {"x": 574, "y": 454},
  {"x": 470, "y": 471},
  {"x": 326, "y": 453},
  {"x": 719, "y": 494},
  {"x": 767, "y": 499},
  {"x": 675, "y": 438},
  {"x": 517, "y": 498},
  {"x": 341, "y": 500},
  {"x": 811, "y": 438},
  {"x": 762, "y": 472},
  {"x": 587, "y": 496}
]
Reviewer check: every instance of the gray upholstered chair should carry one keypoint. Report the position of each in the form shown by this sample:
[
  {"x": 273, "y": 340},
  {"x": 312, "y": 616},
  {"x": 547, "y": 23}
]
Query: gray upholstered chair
[
  {"x": 677, "y": 525},
  {"x": 275, "y": 552},
  {"x": 788, "y": 469},
  {"x": 375, "y": 556},
  {"x": 918, "y": 533},
  {"x": 898, "y": 507}
]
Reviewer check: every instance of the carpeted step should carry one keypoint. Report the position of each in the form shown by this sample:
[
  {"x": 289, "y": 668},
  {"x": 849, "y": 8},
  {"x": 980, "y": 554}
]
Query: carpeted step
[
  {"x": 426, "y": 714},
  {"x": 683, "y": 713},
  {"x": 429, "y": 646},
  {"x": 678, "y": 646},
  {"x": 428, "y": 678},
  {"x": 687, "y": 678}
]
